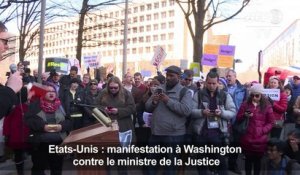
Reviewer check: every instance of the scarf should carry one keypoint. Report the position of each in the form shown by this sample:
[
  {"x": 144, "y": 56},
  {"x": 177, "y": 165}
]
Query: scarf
[{"x": 49, "y": 107}]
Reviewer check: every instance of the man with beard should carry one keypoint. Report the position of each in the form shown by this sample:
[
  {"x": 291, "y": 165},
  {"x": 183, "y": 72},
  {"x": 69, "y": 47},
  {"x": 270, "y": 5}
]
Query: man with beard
[
  {"x": 213, "y": 109},
  {"x": 169, "y": 113}
]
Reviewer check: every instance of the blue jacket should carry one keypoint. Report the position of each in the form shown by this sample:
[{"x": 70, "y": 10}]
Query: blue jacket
[{"x": 239, "y": 95}]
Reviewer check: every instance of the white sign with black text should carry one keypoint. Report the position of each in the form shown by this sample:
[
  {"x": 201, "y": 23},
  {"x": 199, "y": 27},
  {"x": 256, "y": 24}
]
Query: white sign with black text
[
  {"x": 159, "y": 56},
  {"x": 274, "y": 94}
]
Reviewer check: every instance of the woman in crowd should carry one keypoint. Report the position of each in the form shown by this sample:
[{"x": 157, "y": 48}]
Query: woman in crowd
[
  {"x": 118, "y": 103},
  {"x": 71, "y": 97},
  {"x": 48, "y": 125},
  {"x": 279, "y": 107},
  {"x": 261, "y": 120},
  {"x": 89, "y": 98}
]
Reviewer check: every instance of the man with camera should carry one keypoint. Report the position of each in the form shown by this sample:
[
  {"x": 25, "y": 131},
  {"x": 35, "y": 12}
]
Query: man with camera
[
  {"x": 170, "y": 108},
  {"x": 14, "y": 83},
  {"x": 212, "y": 111}
]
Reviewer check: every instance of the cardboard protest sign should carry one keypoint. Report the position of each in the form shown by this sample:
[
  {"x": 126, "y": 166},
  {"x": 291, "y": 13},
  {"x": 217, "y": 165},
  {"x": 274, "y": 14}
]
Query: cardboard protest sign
[
  {"x": 209, "y": 59},
  {"x": 91, "y": 61},
  {"x": 225, "y": 61},
  {"x": 159, "y": 56}
]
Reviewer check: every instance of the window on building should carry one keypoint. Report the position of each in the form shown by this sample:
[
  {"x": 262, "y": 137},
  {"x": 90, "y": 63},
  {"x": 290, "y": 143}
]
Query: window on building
[
  {"x": 171, "y": 24},
  {"x": 171, "y": 2},
  {"x": 163, "y": 25},
  {"x": 155, "y": 16},
  {"x": 141, "y": 28},
  {"x": 141, "y": 18},
  {"x": 117, "y": 14},
  {"x": 142, "y": 8},
  {"x": 148, "y": 39},
  {"x": 171, "y": 36},
  {"x": 109, "y": 53},
  {"x": 148, "y": 17},
  {"x": 141, "y": 39},
  {"x": 148, "y": 28},
  {"x": 155, "y": 38},
  {"x": 171, "y": 13},
  {"x": 140, "y": 50},
  {"x": 134, "y": 29},
  {"x": 156, "y": 5},
  {"x": 163, "y": 37},
  {"x": 135, "y": 9},
  {"x": 135, "y": 19},
  {"x": 134, "y": 51},
  {"x": 149, "y": 6},
  {"x": 147, "y": 49},
  {"x": 111, "y": 14},
  {"x": 163, "y": 14},
  {"x": 170, "y": 48},
  {"x": 134, "y": 40},
  {"x": 104, "y": 53},
  {"x": 123, "y": 12},
  {"x": 110, "y": 34},
  {"x": 155, "y": 27},
  {"x": 164, "y": 3}
]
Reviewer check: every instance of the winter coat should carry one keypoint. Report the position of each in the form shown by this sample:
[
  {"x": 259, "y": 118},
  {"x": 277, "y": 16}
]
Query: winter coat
[
  {"x": 15, "y": 129},
  {"x": 7, "y": 99},
  {"x": 260, "y": 124},
  {"x": 36, "y": 119},
  {"x": 125, "y": 109},
  {"x": 227, "y": 108},
  {"x": 239, "y": 95},
  {"x": 169, "y": 118},
  {"x": 279, "y": 107}
]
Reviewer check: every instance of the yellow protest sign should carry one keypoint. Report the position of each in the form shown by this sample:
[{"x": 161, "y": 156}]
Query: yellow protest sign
[
  {"x": 211, "y": 49},
  {"x": 225, "y": 61}
]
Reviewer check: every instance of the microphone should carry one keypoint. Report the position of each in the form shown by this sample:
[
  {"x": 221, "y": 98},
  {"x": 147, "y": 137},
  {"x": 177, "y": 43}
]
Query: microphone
[{"x": 13, "y": 68}]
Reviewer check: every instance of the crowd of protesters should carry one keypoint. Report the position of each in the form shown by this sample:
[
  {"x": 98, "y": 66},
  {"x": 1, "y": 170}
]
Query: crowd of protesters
[{"x": 169, "y": 109}]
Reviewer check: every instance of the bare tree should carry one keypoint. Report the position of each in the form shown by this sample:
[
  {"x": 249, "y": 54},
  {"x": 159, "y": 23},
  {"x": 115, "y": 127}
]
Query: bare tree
[
  {"x": 28, "y": 21},
  {"x": 86, "y": 9},
  {"x": 205, "y": 14}
]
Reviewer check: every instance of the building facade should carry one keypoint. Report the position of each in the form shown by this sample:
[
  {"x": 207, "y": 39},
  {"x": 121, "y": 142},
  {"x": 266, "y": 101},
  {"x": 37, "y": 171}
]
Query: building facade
[
  {"x": 285, "y": 49},
  {"x": 153, "y": 23}
]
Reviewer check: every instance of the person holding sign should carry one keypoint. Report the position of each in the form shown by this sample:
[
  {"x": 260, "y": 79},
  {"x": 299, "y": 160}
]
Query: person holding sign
[{"x": 279, "y": 107}]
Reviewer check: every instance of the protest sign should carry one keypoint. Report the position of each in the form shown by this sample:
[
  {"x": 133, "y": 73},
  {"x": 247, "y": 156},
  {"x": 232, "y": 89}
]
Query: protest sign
[
  {"x": 159, "y": 56},
  {"x": 274, "y": 94},
  {"x": 59, "y": 64}
]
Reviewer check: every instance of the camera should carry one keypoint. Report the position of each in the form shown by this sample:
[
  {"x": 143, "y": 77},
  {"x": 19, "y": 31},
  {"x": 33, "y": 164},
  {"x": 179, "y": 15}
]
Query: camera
[{"x": 158, "y": 91}]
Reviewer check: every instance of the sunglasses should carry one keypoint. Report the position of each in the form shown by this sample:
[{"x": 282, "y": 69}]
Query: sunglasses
[
  {"x": 111, "y": 87},
  {"x": 93, "y": 84},
  {"x": 255, "y": 95},
  {"x": 5, "y": 41}
]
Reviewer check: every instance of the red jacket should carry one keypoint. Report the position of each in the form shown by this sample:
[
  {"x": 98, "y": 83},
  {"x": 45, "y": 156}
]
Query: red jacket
[
  {"x": 279, "y": 107},
  {"x": 260, "y": 124},
  {"x": 15, "y": 129}
]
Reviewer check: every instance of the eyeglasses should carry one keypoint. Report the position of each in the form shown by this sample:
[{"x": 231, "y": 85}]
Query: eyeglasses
[
  {"x": 93, "y": 84},
  {"x": 255, "y": 95},
  {"x": 112, "y": 87},
  {"x": 5, "y": 41}
]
